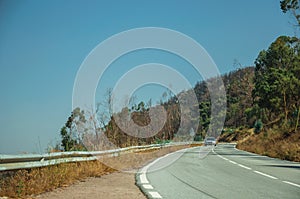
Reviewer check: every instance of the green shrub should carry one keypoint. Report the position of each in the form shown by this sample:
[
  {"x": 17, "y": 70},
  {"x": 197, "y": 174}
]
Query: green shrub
[{"x": 258, "y": 126}]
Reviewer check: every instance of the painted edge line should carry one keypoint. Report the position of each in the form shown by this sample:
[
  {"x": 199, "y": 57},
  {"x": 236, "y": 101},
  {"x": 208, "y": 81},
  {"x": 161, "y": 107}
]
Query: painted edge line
[
  {"x": 264, "y": 174},
  {"x": 143, "y": 175},
  {"x": 147, "y": 186},
  {"x": 154, "y": 194},
  {"x": 143, "y": 178},
  {"x": 291, "y": 183}
]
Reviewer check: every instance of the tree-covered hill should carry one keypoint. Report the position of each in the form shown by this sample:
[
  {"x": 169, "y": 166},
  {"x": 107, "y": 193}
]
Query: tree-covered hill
[{"x": 263, "y": 106}]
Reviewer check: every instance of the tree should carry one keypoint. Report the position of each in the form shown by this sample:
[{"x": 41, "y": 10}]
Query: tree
[
  {"x": 258, "y": 126},
  {"x": 71, "y": 137},
  {"x": 104, "y": 109},
  {"x": 66, "y": 141},
  {"x": 277, "y": 80},
  {"x": 291, "y": 6}
]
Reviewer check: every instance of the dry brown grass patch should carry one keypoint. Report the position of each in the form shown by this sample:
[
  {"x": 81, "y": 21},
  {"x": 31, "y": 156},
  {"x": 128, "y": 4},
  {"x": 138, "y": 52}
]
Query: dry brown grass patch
[
  {"x": 273, "y": 143},
  {"x": 26, "y": 183}
]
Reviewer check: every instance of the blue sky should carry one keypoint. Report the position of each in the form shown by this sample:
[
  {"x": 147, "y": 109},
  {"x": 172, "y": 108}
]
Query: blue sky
[{"x": 43, "y": 43}]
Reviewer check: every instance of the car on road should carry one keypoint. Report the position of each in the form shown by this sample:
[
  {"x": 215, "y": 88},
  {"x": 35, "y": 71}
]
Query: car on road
[{"x": 210, "y": 141}]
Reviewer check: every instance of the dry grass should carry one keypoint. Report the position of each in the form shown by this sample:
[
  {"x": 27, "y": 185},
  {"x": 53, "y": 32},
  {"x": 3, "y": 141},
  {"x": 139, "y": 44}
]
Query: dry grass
[
  {"x": 133, "y": 161},
  {"x": 29, "y": 182},
  {"x": 274, "y": 143},
  {"x": 236, "y": 135},
  {"x": 21, "y": 183}
]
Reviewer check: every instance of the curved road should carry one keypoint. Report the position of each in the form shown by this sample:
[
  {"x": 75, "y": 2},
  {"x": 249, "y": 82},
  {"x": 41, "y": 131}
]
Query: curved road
[{"x": 220, "y": 172}]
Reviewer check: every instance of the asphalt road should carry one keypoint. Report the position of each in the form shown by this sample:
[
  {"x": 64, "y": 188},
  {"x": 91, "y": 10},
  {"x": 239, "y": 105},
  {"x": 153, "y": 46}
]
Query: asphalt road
[{"x": 220, "y": 172}]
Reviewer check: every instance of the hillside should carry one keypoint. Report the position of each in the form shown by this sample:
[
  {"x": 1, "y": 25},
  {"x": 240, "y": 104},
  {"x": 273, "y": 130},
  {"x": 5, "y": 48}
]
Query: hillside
[
  {"x": 238, "y": 85},
  {"x": 272, "y": 142},
  {"x": 264, "y": 98}
]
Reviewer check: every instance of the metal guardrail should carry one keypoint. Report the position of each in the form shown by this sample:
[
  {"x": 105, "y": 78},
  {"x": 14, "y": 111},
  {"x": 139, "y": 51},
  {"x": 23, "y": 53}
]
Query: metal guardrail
[{"x": 26, "y": 161}]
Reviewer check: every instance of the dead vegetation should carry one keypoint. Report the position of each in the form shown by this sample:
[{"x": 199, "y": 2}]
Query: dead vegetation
[
  {"x": 27, "y": 183},
  {"x": 285, "y": 146},
  {"x": 275, "y": 142},
  {"x": 235, "y": 135}
]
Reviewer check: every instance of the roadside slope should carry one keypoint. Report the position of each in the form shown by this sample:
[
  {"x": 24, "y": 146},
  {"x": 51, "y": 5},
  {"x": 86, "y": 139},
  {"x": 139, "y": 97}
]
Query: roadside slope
[{"x": 272, "y": 143}]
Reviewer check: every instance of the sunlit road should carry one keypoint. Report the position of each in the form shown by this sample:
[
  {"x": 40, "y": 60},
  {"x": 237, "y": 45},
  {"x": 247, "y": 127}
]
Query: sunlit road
[{"x": 224, "y": 173}]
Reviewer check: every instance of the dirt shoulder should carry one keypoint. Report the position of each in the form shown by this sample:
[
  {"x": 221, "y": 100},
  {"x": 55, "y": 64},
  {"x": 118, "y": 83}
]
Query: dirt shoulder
[
  {"x": 89, "y": 179},
  {"x": 112, "y": 186},
  {"x": 115, "y": 185}
]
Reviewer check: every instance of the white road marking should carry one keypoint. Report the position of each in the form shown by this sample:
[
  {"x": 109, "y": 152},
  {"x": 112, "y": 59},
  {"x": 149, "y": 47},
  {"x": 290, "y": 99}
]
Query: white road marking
[
  {"x": 222, "y": 157},
  {"x": 232, "y": 162},
  {"x": 144, "y": 169},
  {"x": 143, "y": 178},
  {"x": 203, "y": 152},
  {"x": 258, "y": 172},
  {"x": 244, "y": 166},
  {"x": 143, "y": 175},
  {"x": 147, "y": 186},
  {"x": 264, "y": 174},
  {"x": 155, "y": 194},
  {"x": 291, "y": 183}
]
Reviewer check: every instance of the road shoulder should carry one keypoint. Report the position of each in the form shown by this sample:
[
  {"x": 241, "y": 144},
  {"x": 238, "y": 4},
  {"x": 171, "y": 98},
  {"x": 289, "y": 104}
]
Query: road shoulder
[{"x": 112, "y": 186}]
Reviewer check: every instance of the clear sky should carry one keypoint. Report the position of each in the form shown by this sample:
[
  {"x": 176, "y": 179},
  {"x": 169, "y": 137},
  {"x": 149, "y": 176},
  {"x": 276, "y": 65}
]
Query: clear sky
[{"x": 43, "y": 43}]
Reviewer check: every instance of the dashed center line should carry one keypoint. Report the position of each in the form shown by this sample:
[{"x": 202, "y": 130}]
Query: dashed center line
[
  {"x": 291, "y": 183},
  {"x": 264, "y": 174},
  {"x": 258, "y": 172},
  {"x": 232, "y": 162},
  {"x": 154, "y": 194},
  {"x": 245, "y": 167},
  {"x": 222, "y": 157}
]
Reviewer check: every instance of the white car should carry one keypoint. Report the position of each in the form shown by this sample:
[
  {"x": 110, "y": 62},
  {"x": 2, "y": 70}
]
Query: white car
[{"x": 210, "y": 141}]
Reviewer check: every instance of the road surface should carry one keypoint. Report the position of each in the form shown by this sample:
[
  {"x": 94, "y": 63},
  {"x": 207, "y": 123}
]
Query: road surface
[{"x": 220, "y": 172}]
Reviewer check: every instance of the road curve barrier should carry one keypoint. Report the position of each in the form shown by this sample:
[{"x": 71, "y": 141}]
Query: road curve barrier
[{"x": 27, "y": 161}]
